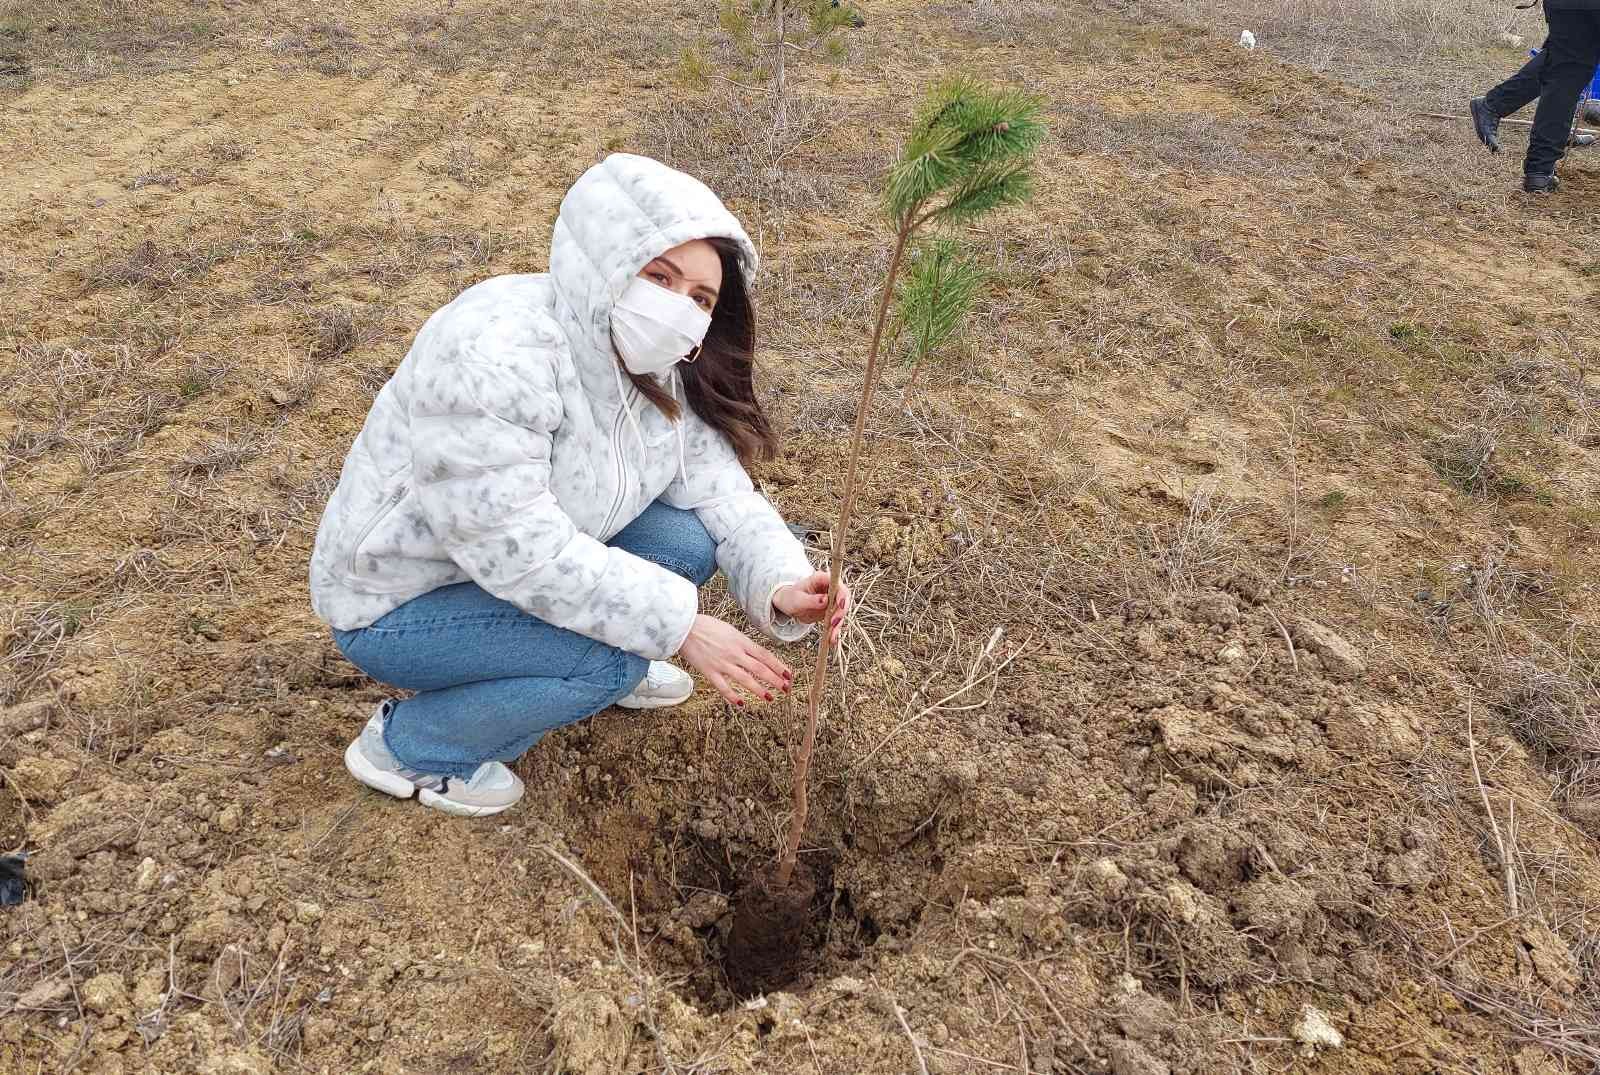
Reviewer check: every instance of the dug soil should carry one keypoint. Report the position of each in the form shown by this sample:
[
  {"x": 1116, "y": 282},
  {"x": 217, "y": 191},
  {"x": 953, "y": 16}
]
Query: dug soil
[{"x": 1220, "y": 694}]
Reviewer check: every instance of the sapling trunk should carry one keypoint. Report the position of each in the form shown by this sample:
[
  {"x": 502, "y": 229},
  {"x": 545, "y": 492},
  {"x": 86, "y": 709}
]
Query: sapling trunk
[
  {"x": 819, "y": 674},
  {"x": 782, "y": 89}
]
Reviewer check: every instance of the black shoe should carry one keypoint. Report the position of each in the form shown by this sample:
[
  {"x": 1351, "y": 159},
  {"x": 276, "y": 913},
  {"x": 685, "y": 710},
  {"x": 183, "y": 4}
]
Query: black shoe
[
  {"x": 1486, "y": 123},
  {"x": 1540, "y": 184}
]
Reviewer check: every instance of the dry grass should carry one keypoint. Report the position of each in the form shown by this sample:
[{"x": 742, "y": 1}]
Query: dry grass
[
  {"x": 109, "y": 444},
  {"x": 1556, "y": 712},
  {"x": 335, "y": 331},
  {"x": 1376, "y": 44},
  {"x": 223, "y": 455},
  {"x": 1199, "y": 549},
  {"x": 157, "y": 269},
  {"x": 730, "y": 139},
  {"x": 34, "y": 636}
]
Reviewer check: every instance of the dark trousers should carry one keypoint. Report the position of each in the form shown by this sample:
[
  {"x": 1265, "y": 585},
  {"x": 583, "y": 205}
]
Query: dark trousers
[
  {"x": 1521, "y": 89},
  {"x": 1573, "y": 49}
]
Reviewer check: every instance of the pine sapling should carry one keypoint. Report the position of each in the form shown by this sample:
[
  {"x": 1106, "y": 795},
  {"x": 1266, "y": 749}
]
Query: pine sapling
[{"x": 970, "y": 153}]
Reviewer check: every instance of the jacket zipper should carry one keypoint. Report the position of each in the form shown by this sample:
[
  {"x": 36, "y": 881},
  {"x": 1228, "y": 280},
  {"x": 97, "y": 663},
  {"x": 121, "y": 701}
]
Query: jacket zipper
[
  {"x": 622, "y": 466},
  {"x": 366, "y": 531}
]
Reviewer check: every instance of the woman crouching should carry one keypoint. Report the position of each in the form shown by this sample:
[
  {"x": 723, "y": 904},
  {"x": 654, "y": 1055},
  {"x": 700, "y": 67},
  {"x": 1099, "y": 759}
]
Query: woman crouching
[{"x": 522, "y": 525}]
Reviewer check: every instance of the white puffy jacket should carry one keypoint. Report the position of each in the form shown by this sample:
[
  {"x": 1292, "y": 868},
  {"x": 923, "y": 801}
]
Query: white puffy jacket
[{"x": 501, "y": 453}]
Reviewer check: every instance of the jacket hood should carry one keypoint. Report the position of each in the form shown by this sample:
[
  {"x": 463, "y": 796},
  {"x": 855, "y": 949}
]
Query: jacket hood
[{"x": 618, "y": 217}]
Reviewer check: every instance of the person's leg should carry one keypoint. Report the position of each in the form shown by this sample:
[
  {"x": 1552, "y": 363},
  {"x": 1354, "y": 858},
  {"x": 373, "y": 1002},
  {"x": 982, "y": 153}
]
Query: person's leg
[
  {"x": 1521, "y": 89},
  {"x": 672, "y": 537},
  {"x": 491, "y": 679},
  {"x": 677, "y": 540},
  {"x": 1574, "y": 49}
]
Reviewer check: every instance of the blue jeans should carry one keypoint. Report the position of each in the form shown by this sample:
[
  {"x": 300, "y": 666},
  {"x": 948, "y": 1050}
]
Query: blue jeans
[{"x": 491, "y": 680}]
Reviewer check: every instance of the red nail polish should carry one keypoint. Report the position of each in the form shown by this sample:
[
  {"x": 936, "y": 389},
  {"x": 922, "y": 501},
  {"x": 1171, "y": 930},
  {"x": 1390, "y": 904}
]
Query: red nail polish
[
  {"x": 768, "y": 696},
  {"x": 738, "y": 701}
]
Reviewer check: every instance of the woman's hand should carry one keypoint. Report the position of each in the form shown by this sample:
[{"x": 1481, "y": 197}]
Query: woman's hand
[
  {"x": 721, "y": 652},
  {"x": 807, "y": 601}
]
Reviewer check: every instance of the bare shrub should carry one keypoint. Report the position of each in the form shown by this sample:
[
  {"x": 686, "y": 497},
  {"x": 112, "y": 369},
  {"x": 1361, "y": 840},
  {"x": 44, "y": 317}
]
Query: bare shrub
[
  {"x": 225, "y": 454},
  {"x": 1557, "y": 714},
  {"x": 335, "y": 332},
  {"x": 1467, "y": 460}
]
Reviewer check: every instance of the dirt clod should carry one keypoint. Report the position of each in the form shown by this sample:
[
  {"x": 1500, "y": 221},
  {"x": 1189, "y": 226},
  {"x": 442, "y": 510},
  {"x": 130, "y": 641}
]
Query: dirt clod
[
  {"x": 591, "y": 1035},
  {"x": 1132, "y": 1058},
  {"x": 42, "y": 780},
  {"x": 105, "y": 994},
  {"x": 1338, "y": 656},
  {"x": 1314, "y": 1030}
]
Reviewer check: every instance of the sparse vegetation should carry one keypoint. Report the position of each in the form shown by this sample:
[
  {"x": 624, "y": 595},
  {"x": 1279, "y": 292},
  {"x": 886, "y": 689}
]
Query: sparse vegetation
[{"x": 1157, "y": 713}]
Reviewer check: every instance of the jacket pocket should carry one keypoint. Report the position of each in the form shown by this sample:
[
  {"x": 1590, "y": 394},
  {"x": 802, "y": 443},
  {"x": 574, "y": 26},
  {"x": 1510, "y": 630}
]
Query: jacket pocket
[{"x": 378, "y": 517}]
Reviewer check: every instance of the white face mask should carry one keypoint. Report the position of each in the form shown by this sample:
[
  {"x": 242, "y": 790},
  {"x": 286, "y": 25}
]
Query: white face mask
[{"x": 655, "y": 328}]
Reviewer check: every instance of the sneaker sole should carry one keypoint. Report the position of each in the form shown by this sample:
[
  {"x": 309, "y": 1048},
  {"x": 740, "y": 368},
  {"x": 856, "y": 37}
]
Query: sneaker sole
[
  {"x": 400, "y": 788},
  {"x": 655, "y": 703}
]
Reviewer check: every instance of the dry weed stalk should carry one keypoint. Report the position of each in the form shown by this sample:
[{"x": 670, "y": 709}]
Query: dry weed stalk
[
  {"x": 634, "y": 966},
  {"x": 1507, "y": 857}
]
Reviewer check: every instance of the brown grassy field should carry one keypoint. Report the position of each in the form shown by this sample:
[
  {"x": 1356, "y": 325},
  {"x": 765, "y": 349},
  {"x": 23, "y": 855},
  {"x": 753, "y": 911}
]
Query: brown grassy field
[{"x": 1228, "y": 597}]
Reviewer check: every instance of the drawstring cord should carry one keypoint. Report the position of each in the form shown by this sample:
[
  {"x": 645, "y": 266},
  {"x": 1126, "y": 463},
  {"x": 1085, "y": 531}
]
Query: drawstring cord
[
  {"x": 622, "y": 401},
  {"x": 673, "y": 383},
  {"x": 683, "y": 418}
]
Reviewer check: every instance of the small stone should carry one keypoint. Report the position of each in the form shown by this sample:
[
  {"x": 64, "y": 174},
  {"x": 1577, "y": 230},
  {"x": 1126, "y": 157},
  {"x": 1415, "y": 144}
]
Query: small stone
[
  {"x": 45, "y": 994},
  {"x": 104, "y": 994},
  {"x": 145, "y": 879},
  {"x": 306, "y": 912},
  {"x": 1314, "y": 1030},
  {"x": 850, "y": 987},
  {"x": 228, "y": 820}
]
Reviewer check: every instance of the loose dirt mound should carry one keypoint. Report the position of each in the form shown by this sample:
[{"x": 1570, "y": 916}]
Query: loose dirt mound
[{"x": 1221, "y": 695}]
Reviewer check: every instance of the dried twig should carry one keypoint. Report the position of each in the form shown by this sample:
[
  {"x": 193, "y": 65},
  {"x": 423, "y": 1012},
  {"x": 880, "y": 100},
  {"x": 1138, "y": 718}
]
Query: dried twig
[
  {"x": 1507, "y": 863},
  {"x": 1287, "y": 641},
  {"x": 900, "y": 1016},
  {"x": 943, "y": 703}
]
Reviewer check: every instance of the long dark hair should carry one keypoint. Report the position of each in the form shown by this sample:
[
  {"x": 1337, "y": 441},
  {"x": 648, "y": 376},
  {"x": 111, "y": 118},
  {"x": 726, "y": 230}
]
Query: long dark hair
[{"x": 720, "y": 384}]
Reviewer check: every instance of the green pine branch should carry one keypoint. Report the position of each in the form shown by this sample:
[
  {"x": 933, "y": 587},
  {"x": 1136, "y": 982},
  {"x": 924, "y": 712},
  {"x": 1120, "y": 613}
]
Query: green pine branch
[{"x": 940, "y": 284}]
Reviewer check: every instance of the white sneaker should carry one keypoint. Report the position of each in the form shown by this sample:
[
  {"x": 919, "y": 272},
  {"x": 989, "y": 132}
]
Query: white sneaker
[
  {"x": 491, "y": 788},
  {"x": 663, "y": 685}
]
